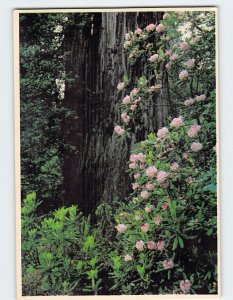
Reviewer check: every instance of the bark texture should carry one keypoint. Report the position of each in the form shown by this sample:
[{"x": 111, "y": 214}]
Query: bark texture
[{"x": 97, "y": 171}]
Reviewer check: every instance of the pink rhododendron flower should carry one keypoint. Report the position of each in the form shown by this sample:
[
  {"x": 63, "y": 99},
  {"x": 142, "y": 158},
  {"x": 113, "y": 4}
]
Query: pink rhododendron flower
[
  {"x": 185, "y": 156},
  {"x": 177, "y": 122},
  {"x": 160, "y": 245},
  {"x": 162, "y": 133},
  {"x": 184, "y": 46},
  {"x": 158, "y": 220},
  {"x": 189, "y": 102},
  {"x": 168, "y": 66},
  {"x": 126, "y": 99},
  {"x": 138, "y": 31},
  {"x": 151, "y": 172},
  {"x": 151, "y": 245},
  {"x": 145, "y": 195},
  {"x": 165, "y": 206},
  {"x": 128, "y": 257},
  {"x": 200, "y": 98},
  {"x": 183, "y": 74},
  {"x": 141, "y": 157},
  {"x": 174, "y": 56},
  {"x": 165, "y": 16},
  {"x": 150, "y": 186},
  {"x": 196, "y": 147},
  {"x": 119, "y": 130},
  {"x": 120, "y": 86},
  {"x": 190, "y": 63},
  {"x": 149, "y": 209},
  {"x": 139, "y": 245},
  {"x": 168, "y": 52},
  {"x": 193, "y": 130},
  {"x": 134, "y": 92},
  {"x": 127, "y": 36},
  {"x": 125, "y": 117},
  {"x": 185, "y": 286},
  {"x": 190, "y": 179},
  {"x": 133, "y": 158},
  {"x": 132, "y": 166},
  {"x": 121, "y": 228},
  {"x": 138, "y": 100},
  {"x": 145, "y": 227},
  {"x": 150, "y": 27},
  {"x": 174, "y": 166},
  {"x": 151, "y": 89},
  {"x": 153, "y": 58},
  {"x": 135, "y": 186},
  {"x": 133, "y": 107},
  {"x": 168, "y": 264},
  {"x": 127, "y": 44},
  {"x": 136, "y": 175},
  {"x": 160, "y": 28},
  {"x": 162, "y": 176},
  {"x": 142, "y": 166}
]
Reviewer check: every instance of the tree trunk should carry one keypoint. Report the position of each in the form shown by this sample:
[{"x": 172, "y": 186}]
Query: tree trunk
[{"x": 97, "y": 171}]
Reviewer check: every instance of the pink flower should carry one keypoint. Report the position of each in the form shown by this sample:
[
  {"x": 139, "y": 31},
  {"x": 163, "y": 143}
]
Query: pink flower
[
  {"x": 165, "y": 206},
  {"x": 158, "y": 220},
  {"x": 134, "y": 92},
  {"x": 141, "y": 157},
  {"x": 120, "y": 86},
  {"x": 151, "y": 245},
  {"x": 190, "y": 63},
  {"x": 133, "y": 158},
  {"x": 125, "y": 117},
  {"x": 142, "y": 166},
  {"x": 151, "y": 89},
  {"x": 121, "y": 228},
  {"x": 145, "y": 195},
  {"x": 160, "y": 28},
  {"x": 150, "y": 27},
  {"x": 127, "y": 36},
  {"x": 138, "y": 31},
  {"x": 160, "y": 245},
  {"x": 119, "y": 130},
  {"x": 174, "y": 56},
  {"x": 153, "y": 58},
  {"x": 138, "y": 100},
  {"x": 165, "y": 16},
  {"x": 196, "y": 147},
  {"x": 200, "y": 98},
  {"x": 183, "y": 74},
  {"x": 193, "y": 130},
  {"x": 174, "y": 166},
  {"x": 168, "y": 264},
  {"x": 132, "y": 166},
  {"x": 158, "y": 86},
  {"x": 128, "y": 257},
  {"x": 139, "y": 245},
  {"x": 177, "y": 122},
  {"x": 167, "y": 66},
  {"x": 190, "y": 179},
  {"x": 135, "y": 186},
  {"x": 162, "y": 133},
  {"x": 145, "y": 227},
  {"x": 133, "y": 107},
  {"x": 168, "y": 52},
  {"x": 127, "y": 44},
  {"x": 188, "y": 102},
  {"x": 185, "y": 286},
  {"x": 151, "y": 172},
  {"x": 149, "y": 209},
  {"x": 184, "y": 46},
  {"x": 136, "y": 175},
  {"x": 126, "y": 99},
  {"x": 150, "y": 186},
  {"x": 185, "y": 156},
  {"x": 162, "y": 176}
]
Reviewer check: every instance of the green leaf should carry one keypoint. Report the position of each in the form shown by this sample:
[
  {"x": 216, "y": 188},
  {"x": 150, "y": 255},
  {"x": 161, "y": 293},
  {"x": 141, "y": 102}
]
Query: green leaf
[
  {"x": 181, "y": 242},
  {"x": 211, "y": 188},
  {"x": 175, "y": 243}
]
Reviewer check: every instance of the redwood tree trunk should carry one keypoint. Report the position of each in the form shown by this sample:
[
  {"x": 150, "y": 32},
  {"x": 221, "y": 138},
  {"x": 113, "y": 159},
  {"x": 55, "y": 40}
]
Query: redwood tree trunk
[{"x": 96, "y": 172}]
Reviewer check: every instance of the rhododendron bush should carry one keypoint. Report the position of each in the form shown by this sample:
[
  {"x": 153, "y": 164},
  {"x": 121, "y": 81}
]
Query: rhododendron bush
[
  {"x": 161, "y": 239},
  {"x": 167, "y": 231}
]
